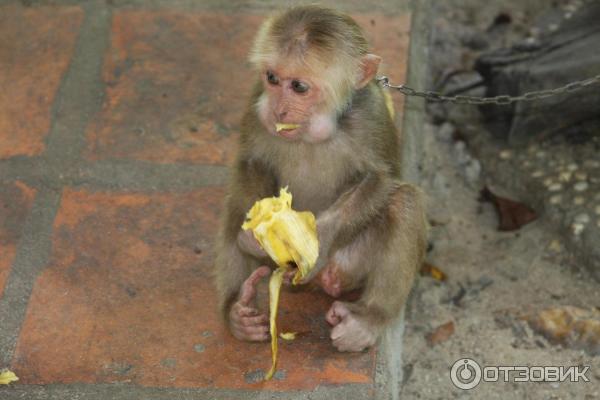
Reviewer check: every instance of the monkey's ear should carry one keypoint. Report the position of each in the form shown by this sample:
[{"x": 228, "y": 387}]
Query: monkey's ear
[{"x": 369, "y": 65}]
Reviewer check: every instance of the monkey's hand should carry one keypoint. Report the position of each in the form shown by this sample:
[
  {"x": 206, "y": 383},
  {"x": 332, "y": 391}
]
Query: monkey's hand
[
  {"x": 350, "y": 332},
  {"x": 245, "y": 321},
  {"x": 249, "y": 245}
]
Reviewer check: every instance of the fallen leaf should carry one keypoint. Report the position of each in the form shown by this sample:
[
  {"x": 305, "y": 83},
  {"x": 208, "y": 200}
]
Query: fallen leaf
[
  {"x": 7, "y": 377},
  {"x": 569, "y": 326},
  {"x": 431, "y": 270},
  {"x": 441, "y": 333},
  {"x": 513, "y": 215}
]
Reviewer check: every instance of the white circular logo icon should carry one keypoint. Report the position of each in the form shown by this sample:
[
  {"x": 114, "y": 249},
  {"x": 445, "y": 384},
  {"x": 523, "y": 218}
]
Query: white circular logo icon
[{"x": 465, "y": 374}]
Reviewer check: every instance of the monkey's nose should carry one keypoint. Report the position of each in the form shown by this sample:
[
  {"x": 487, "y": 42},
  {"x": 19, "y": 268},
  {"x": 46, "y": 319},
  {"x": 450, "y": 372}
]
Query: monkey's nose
[{"x": 282, "y": 115}]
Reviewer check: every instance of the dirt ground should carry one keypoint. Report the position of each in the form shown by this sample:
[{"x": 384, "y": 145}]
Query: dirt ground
[{"x": 494, "y": 278}]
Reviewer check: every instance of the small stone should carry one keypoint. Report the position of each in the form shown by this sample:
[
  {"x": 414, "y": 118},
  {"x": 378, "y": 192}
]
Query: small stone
[
  {"x": 207, "y": 334},
  {"x": 548, "y": 181},
  {"x": 446, "y": 132},
  {"x": 540, "y": 154},
  {"x": 577, "y": 228},
  {"x": 199, "y": 348},
  {"x": 555, "y": 246},
  {"x": 592, "y": 163},
  {"x": 578, "y": 200},
  {"x": 580, "y": 176},
  {"x": 582, "y": 218},
  {"x": 537, "y": 174},
  {"x": 572, "y": 167},
  {"x": 555, "y": 187},
  {"x": 597, "y": 209},
  {"x": 472, "y": 171},
  {"x": 580, "y": 186},
  {"x": 505, "y": 154},
  {"x": 460, "y": 152},
  {"x": 526, "y": 164},
  {"x": 553, "y": 27},
  {"x": 556, "y": 199},
  {"x": 598, "y": 223},
  {"x": 564, "y": 176}
]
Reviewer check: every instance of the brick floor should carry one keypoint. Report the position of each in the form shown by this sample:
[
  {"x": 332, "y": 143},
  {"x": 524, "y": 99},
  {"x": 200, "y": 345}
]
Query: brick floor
[
  {"x": 37, "y": 45},
  {"x": 125, "y": 292},
  {"x": 128, "y": 297}
]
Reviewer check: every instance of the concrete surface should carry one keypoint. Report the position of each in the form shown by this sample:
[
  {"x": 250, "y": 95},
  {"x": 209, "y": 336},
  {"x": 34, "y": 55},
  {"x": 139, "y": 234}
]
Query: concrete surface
[{"x": 115, "y": 136}]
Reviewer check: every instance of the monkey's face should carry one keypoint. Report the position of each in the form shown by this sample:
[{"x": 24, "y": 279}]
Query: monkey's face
[{"x": 291, "y": 97}]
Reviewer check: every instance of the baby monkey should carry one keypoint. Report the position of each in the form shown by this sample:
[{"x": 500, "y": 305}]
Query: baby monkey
[{"x": 318, "y": 123}]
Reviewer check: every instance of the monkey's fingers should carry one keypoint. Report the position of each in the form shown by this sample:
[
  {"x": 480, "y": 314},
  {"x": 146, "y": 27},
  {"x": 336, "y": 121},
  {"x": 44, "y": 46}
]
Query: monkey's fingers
[
  {"x": 248, "y": 291},
  {"x": 288, "y": 277},
  {"x": 260, "y": 320},
  {"x": 337, "y": 312},
  {"x": 255, "y": 333}
]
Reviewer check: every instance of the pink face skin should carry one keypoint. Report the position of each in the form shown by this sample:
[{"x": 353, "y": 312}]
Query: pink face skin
[{"x": 289, "y": 98}]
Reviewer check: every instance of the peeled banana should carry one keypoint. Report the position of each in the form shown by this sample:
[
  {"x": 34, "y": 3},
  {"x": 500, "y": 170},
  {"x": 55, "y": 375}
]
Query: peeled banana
[{"x": 288, "y": 237}]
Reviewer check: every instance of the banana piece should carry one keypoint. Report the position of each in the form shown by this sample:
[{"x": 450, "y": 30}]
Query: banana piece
[
  {"x": 281, "y": 127},
  {"x": 288, "y": 237}
]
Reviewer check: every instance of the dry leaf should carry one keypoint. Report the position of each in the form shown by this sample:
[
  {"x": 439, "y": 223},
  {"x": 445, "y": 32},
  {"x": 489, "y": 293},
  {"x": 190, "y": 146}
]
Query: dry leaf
[
  {"x": 570, "y": 326},
  {"x": 431, "y": 270},
  {"x": 441, "y": 333},
  {"x": 7, "y": 377},
  {"x": 512, "y": 214}
]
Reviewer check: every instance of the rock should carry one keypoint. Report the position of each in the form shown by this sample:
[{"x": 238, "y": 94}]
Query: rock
[
  {"x": 505, "y": 154},
  {"x": 580, "y": 186},
  {"x": 555, "y": 187},
  {"x": 472, "y": 171},
  {"x": 460, "y": 153},
  {"x": 441, "y": 333},
  {"x": 572, "y": 327},
  {"x": 446, "y": 132}
]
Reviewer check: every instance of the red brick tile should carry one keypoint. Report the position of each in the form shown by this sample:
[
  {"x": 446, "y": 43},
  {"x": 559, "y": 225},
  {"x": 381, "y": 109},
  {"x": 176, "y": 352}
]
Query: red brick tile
[
  {"x": 176, "y": 87},
  {"x": 177, "y": 83},
  {"x": 37, "y": 46},
  {"x": 16, "y": 200},
  {"x": 127, "y": 298}
]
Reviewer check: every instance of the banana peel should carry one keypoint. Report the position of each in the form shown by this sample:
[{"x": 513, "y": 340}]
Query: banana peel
[
  {"x": 289, "y": 237},
  {"x": 7, "y": 377}
]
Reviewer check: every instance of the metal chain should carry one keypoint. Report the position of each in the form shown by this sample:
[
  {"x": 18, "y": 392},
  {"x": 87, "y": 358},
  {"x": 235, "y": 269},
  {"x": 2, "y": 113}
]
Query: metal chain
[{"x": 499, "y": 100}]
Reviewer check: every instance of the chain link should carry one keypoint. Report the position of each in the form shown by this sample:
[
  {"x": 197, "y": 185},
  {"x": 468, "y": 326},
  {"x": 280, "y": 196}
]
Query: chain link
[{"x": 499, "y": 100}]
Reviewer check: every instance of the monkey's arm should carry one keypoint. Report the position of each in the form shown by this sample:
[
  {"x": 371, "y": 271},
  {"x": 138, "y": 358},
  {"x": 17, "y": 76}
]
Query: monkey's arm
[
  {"x": 350, "y": 213},
  {"x": 236, "y": 257}
]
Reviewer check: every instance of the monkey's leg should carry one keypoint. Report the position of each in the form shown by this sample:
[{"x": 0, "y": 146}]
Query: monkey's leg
[{"x": 386, "y": 255}]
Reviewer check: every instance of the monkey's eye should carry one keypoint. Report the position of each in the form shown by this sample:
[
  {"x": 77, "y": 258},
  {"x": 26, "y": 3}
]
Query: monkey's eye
[
  {"x": 299, "y": 86},
  {"x": 272, "y": 79}
]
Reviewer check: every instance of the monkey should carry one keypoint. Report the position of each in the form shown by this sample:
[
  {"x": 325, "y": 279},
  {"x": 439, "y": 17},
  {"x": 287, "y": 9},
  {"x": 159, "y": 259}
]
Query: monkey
[{"x": 339, "y": 156}]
